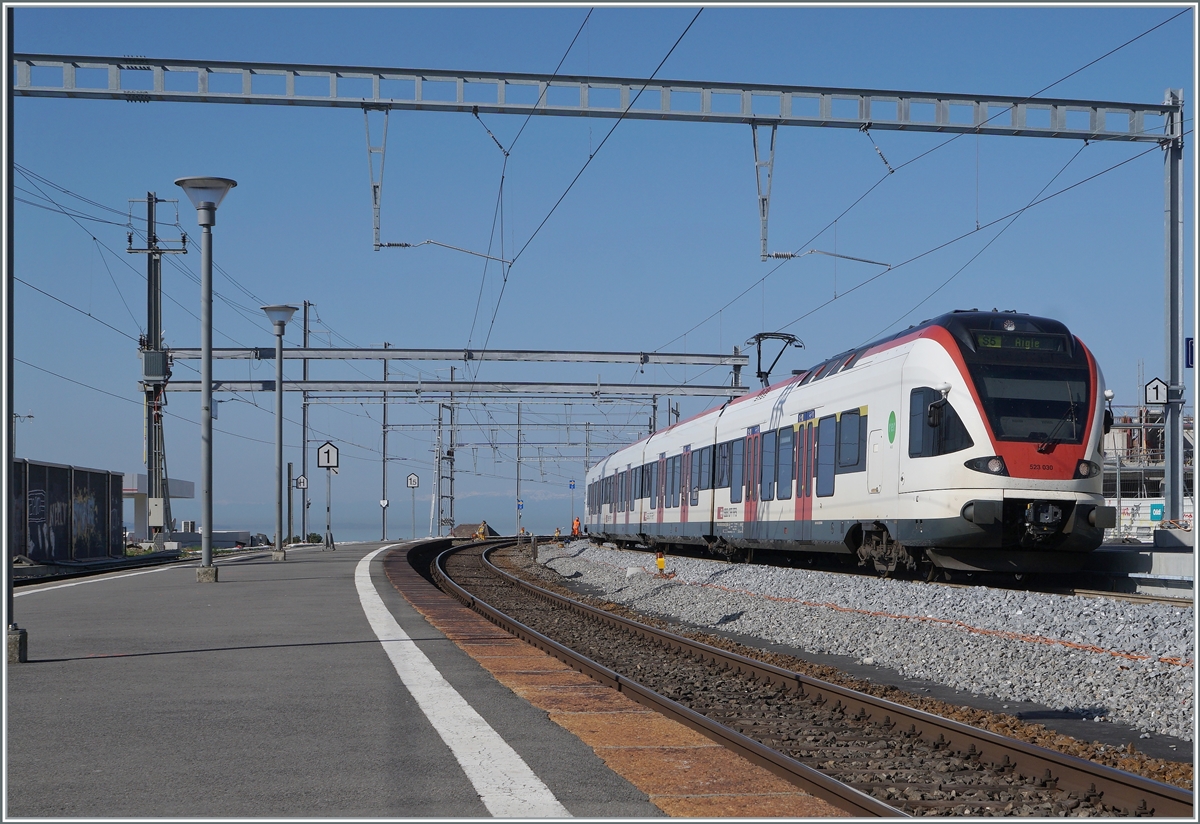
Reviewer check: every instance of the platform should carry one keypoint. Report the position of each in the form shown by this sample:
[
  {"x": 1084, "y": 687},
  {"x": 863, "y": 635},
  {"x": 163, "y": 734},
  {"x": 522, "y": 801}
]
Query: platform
[
  {"x": 334, "y": 684},
  {"x": 1166, "y": 568},
  {"x": 268, "y": 694}
]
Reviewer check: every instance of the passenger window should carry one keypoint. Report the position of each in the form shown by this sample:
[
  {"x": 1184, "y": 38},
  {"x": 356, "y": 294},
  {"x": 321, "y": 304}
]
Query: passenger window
[
  {"x": 706, "y": 467},
  {"x": 721, "y": 469},
  {"x": 925, "y": 440},
  {"x": 654, "y": 485},
  {"x": 675, "y": 462},
  {"x": 825, "y": 459},
  {"x": 767, "y": 468},
  {"x": 852, "y": 435},
  {"x": 783, "y": 486},
  {"x": 848, "y": 440},
  {"x": 694, "y": 479},
  {"x": 736, "y": 456}
]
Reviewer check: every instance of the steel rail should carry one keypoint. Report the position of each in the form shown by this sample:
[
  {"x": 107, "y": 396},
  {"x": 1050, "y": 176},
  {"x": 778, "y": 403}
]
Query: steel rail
[
  {"x": 841, "y": 795},
  {"x": 1135, "y": 793},
  {"x": 835, "y": 792}
]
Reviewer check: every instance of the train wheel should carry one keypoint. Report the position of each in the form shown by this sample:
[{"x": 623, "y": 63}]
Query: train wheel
[{"x": 885, "y": 554}]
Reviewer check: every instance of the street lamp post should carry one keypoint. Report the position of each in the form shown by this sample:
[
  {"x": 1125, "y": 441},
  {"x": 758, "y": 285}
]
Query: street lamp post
[
  {"x": 206, "y": 194},
  {"x": 279, "y": 316}
]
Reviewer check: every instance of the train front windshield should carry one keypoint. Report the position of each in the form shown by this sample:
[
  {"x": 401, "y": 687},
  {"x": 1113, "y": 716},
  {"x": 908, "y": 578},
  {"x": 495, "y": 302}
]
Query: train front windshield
[{"x": 1033, "y": 387}]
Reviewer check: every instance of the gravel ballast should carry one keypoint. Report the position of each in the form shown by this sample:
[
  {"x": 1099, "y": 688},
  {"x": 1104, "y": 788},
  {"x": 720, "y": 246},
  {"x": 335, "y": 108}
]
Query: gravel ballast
[{"x": 1106, "y": 659}]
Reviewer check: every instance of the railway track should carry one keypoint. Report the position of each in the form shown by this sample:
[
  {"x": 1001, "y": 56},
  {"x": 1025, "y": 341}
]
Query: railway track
[
  {"x": 959, "y": 580},
  {"x": 864, "y": 754},
  {"x": 28, "y": 575}
]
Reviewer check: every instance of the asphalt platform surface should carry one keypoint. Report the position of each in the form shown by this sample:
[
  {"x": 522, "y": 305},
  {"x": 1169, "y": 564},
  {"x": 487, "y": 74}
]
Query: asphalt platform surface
[{"x": 147, "y": 694}]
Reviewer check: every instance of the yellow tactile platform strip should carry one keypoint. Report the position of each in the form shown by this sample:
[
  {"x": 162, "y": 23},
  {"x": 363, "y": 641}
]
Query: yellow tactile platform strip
[{"x": 683, "y": 773}]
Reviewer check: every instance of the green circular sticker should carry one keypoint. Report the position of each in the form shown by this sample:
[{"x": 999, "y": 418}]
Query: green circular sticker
[{"x": 892, "y": 428}]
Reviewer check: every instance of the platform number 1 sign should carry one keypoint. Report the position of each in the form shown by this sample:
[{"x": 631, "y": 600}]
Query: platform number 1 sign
[
  {"x": 327, "y": 456},
  {"x": 1156, "y": 392}
]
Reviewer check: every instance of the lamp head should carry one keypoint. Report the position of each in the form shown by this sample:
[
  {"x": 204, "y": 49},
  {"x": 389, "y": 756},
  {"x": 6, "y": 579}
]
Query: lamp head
[
  {"x": 279, "y": 314},
  {"x": 1109, "y": 394},
  {"x": 206, "y": 194}
]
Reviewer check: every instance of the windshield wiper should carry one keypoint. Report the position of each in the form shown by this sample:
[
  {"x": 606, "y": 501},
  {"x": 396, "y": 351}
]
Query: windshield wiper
[{"x": 1047, "y": 446}]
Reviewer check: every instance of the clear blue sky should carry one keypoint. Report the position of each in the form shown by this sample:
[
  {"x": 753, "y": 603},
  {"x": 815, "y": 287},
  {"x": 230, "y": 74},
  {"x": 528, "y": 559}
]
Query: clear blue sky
[{"x": 659, "y": 233}]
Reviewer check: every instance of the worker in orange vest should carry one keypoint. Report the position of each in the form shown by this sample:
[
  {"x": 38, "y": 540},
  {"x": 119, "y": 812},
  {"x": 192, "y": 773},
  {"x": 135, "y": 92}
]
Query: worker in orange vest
[{"x": 575, "y": 528}]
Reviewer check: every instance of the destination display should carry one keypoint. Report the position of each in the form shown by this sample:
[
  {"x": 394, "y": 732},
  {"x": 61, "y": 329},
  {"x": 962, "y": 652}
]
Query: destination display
[{"x": 1021, "y": 340}]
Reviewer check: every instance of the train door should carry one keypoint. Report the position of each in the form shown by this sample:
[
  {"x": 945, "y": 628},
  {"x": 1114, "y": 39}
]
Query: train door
[
  {"x": 702, "y": 462},
  {"x": 752, "y": 461},
  {"x": 804, "y": 476},
  {"x": 685, "y": 485},
  {"x": 627, "y": 504},
  {"x": 662, "y": 487},
  {"x": 875, "y": 456}
]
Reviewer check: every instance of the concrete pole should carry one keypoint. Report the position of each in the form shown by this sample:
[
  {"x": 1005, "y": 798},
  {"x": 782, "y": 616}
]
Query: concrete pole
[
  {"x": 207, "y": 571},
  {"x": 383, "y": 496},
  {"x": 289, "y": 489},
  {"x": 1118, "y": 453},
  {"x": 153, "y": 344},
  {"x": 280, "y": 554},
  {"x": 304, "y": 436},
  {"x": 329, "y": 544},
  {"x": 436, "y": 497},
  {"x": 450, "y": 457},
  {"x": 1173, "y": 413},
  {"x": 18, "y": 639},
  {"x": 518, "y": 502},
  {"x": 198, "y": 188}
]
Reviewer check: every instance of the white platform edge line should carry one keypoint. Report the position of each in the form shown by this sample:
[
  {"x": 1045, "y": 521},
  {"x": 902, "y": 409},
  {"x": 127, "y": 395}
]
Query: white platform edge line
[{"x": 505, "y": 783}]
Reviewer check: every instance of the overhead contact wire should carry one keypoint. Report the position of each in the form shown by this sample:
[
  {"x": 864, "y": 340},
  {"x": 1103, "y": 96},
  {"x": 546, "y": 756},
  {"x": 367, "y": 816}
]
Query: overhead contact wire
[
  {"x": 891, "y": 170},
  {"x": 591, "y": 157}
]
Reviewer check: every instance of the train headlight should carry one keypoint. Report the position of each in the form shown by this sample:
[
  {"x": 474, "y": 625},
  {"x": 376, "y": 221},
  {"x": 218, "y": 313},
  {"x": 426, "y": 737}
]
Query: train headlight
[
  {"x": 1087, "y": 469},
  {"x": 993, "y": 465}
]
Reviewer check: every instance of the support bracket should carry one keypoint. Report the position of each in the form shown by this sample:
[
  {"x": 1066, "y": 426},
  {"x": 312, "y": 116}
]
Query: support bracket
[
  {"x": 761, "y": 168},
  {"x": 372, "y": 152}
]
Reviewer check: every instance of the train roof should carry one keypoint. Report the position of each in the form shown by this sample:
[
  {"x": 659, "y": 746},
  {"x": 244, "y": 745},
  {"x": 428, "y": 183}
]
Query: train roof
[{"x": 960, "y": 323}]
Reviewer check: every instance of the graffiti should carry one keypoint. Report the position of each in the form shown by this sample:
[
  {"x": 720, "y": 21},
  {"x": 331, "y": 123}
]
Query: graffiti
[
  {"x": 37, "y": 506},
  {"x": 68, "y": 513}
]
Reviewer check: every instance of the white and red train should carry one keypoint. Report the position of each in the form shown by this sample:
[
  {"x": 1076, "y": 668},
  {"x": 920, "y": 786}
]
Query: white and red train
[{"x": 970, "y": 442}]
